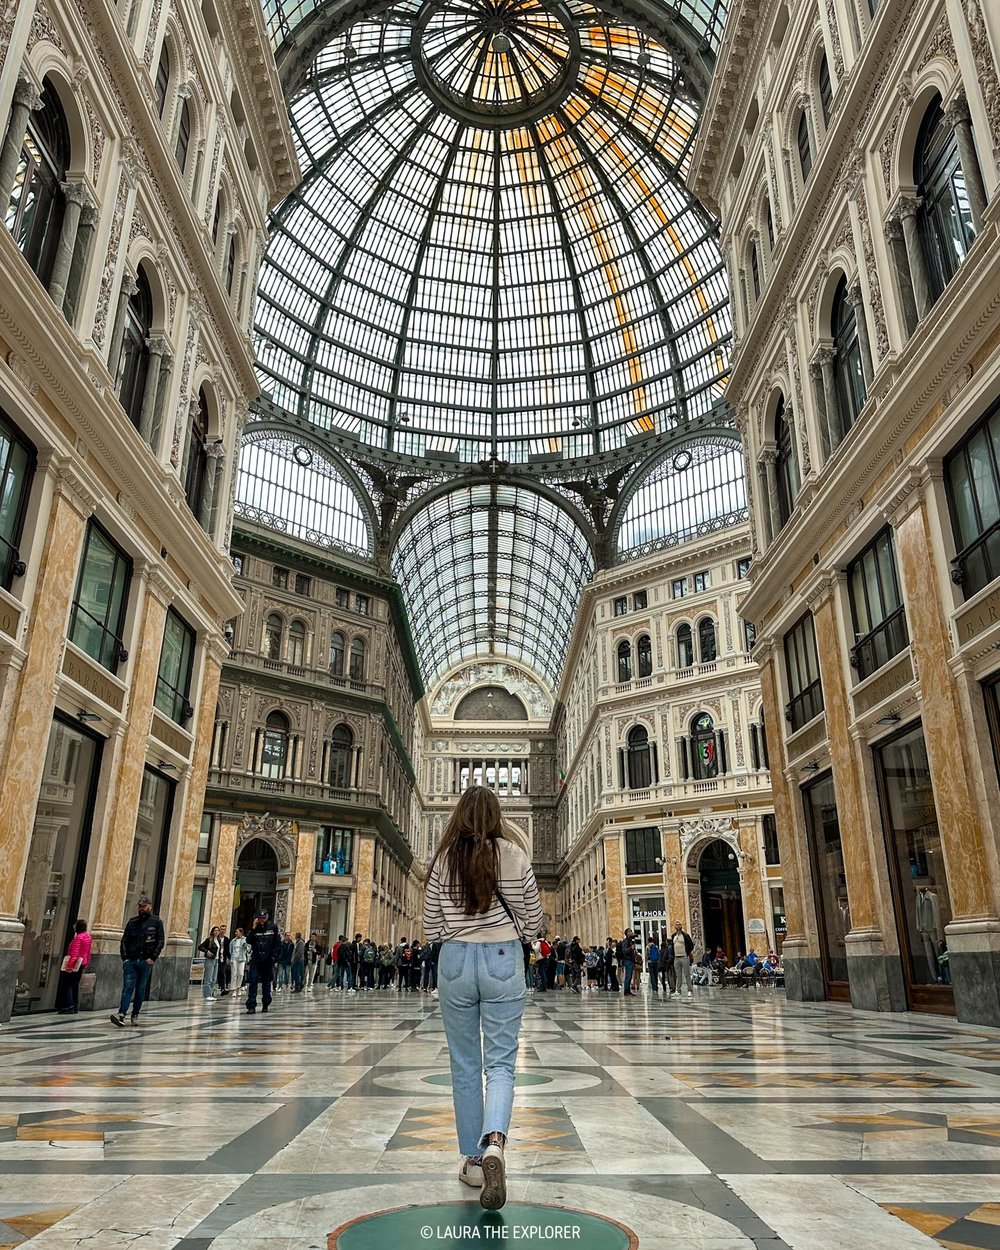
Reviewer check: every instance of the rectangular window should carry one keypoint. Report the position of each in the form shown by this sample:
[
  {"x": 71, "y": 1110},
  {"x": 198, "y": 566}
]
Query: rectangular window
[
  {"x": 749, "y": 636},
  {"x": 640, "y": 600},
  {"x": 642, "y": 848},
  {"x": 334, "y": 848},
  {"x": 149, "y": 846},
  {"x": 972, "y": 479},
  {"x": 702, "y": 581},
  {"x": 205, "y": 839},
  {"x": 771, "y": 852},
  {"x": 17, "y": 467},
  {"x": 173, "y": 682},
  {"x": 279, "y": 578},
  {"x": 802, "y": 665},
  {"x": 742, "y": 568},
  {"x": 237, "y": 560},
  {"x": 363, "y": 604},
  {"x": 342, "y": 598},
  {"x": 98, "y": 612},
  {"x": 620, "y": 606},
  {"x": 876, "y": 606},
  {"x": 678, "y": 587},
  {"x": 829, "y": 877},
  {"x": 303, "y": 584}
]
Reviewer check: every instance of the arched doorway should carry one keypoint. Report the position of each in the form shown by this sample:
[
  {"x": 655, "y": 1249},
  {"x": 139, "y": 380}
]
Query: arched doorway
[
  {"x": 721, "y": 899},
  {"x": 257, "y": 878}
]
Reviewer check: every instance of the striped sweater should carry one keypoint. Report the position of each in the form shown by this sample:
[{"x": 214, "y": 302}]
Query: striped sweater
[{"x": 445, "y": 919}]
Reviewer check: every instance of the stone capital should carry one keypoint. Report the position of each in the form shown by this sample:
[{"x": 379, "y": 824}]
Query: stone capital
[
  {"x": 821, "y": 591},
  {"x": 158, "y": 345},
  {"x": 908, "y": 206},
  {"x": 893, "y": 227},
  {"x": 129, "y": 285},
  {"x": 72, "y": 486},
  {"x": 956, "y": 111},
  {"x": 77, "y": 193},
  {"x": 27, "y": 95},
  {"x": 855, "y": 294},
  {"x": 185, "y": 91},
  {"x": 822, "y": 357},
  {"x": 217, "y": 650},
  {"x": 905, "y": 496}
]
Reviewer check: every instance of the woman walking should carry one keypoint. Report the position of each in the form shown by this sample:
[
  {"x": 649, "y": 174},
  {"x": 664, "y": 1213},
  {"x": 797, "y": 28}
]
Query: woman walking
[
  {"x": 481, "y": 901},
  {"x": 238, "y": 955},
  {"x": 73, "y": 968},
  {"x": 210, "y": 948}
]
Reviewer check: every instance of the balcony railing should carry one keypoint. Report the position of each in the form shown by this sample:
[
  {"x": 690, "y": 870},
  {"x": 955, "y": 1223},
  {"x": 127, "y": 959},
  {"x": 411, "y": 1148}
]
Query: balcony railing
[
  {"x": 880, "y": 645},
  {"x": 319, "y": 676},
  {"x": 290, "y": 787}
]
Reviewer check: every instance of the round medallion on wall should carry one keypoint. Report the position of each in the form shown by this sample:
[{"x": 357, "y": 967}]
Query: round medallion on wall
[{"x": 465, "y": 1226}]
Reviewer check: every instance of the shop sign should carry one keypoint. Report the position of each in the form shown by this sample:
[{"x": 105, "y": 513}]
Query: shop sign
[
  {"x": 10, "y": 616},
  {"x": 978, "y": 618},
  {"x": 756, "y": 925},
  {"x": 893, "y": 678},
  {"x": 648, "y": 915},
  {"x": 93, "y": 678},
  {"x": 170, "y": 735},
  {"x": 780, "y": 924}
]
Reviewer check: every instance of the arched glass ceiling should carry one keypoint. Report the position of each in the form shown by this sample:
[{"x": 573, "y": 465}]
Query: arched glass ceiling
[
  {"x": 493, "y": 251},
  {"x": 696, "y": 489},
  {"x": 289, "y": 486},
  {"x": 492, "y": 570}
]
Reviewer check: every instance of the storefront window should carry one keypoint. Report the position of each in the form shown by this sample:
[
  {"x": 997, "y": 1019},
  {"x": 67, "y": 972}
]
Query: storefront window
[
  {"x": 642, "y": 847},
  {"x": 333, "y": 850},
  {"x": 829, "y": 878},
  {"x": 53, "y": 878},
  {"x": 910, "y": 821},
  {"x": 195, "y": 916},
  {"x": 152, "y": 829}
]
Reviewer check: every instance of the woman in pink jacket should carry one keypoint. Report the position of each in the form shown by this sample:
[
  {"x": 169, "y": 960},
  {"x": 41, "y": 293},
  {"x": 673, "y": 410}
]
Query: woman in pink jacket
[{"x": 73, "y": 968}]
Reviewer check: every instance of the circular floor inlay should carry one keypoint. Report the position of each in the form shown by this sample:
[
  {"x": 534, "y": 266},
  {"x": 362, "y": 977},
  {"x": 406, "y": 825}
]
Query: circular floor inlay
[
  {"x": 466, "y": 1226},
  {"x": 521, "y": 1079}
]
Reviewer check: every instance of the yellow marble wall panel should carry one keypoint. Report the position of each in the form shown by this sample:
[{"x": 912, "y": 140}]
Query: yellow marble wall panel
[
  {"x": 851, "y": 805},
  {"x": 176, "y": 921},
  {"x": 953, "y": 760},
  {"x": 365, "y": 860},
  {"x": 614, "y": 882},
  {"x": 676, "y": 886},
  {"x": 755, "y": 906},
  {"x": 123, "y": 808},
  {"x": 225, "y": 869},
  {"x": 23, "y": 759},
  {"x": 788, "y": 819},
  {"x": 300, "y": 912}
]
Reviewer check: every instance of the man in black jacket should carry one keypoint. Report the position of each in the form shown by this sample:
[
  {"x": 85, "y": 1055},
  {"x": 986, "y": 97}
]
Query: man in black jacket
[
  {"x": 140, "y": 948},
  {"x": 263, "y": 945}
]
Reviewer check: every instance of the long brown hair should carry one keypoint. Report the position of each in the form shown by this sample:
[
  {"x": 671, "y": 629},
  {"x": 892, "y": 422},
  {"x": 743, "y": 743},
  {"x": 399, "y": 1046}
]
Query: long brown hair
[{"x": 469, "y": 849}]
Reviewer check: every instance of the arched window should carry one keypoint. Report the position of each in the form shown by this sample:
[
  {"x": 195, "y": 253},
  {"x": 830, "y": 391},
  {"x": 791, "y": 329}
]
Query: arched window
[
  {"x": 704, "y": 748},
  {"x": 706, "y": 640},
  {"x": 825, "y": 89},
  {"x": 644, "y": 650},
  {"x": 755, "y": 271},
  {"x": 640, "y": 772},
  {"x": 341, "y": 750},
  {"x": 805, "y": 147},
  {"x": 135, "y": 348},
  {"x": 197, "y": 457},
  {"x": 624, "y": 661},
  {"x": 758, "y": 743},
  {"x": 217, "y": 218},
  {"x": 297, "y": 643},
  {"x": 847, "y": 368},
  {"x": 945, "y": 216},
  {"x": 337, "y": 655},
  {"x": 231, "y": 263},
  {"x": 685, "y": 647},
  {"x": 162, "y": 83},
  {"x": 769, "y": 223},
  {"x": 357, "y": 660},
  {"x": 37, "y": 200},
  {"x": 273, "y": 630},
  {"x": 274, "y": 753},
  {"x": 784, "y": 465},
  {"x": 183, "y": 136}
]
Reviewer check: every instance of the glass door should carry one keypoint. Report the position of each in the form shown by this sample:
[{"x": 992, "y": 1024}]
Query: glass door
[
  {"x": 53, "y": 880},
  {"x": 826, "y": 857},
  {"x": 917, "y": 869}
]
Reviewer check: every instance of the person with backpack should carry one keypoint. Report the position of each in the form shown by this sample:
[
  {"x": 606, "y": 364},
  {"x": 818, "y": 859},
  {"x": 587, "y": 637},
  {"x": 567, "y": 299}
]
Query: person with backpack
[
  {"x": 387, "y": 961},
  {"x": 369, "y": 958},
  {"x": 653, "y": 960},
  {"x": 592, "y": 961},
  {"x": 481, "y": 901},
  {"x": 610, "y": 958},
  {"x": 574, "y": 964}
]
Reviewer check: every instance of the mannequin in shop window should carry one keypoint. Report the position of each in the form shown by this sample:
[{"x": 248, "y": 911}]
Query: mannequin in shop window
[{"x": 929, "y": 928}]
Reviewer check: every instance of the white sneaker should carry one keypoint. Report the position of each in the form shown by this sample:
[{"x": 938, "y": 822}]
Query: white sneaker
[
  {"x": 674, "y": 994},
  {"x": 690, "y": 993},
  {"x": 471, "y": 1174},
  {"x": 494, "y": 1192}
]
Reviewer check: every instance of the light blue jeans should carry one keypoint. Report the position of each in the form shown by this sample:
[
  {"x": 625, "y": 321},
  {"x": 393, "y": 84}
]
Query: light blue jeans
[
  {"x": 481, "y": 989},
  {"x": 209, "y": 977}
]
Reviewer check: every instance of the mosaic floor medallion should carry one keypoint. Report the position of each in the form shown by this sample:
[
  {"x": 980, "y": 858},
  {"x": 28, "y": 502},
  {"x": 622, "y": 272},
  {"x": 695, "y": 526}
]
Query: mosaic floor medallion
[
  {"x": 466, "y": 1226},
  {"x": 521, "y": 1079}
]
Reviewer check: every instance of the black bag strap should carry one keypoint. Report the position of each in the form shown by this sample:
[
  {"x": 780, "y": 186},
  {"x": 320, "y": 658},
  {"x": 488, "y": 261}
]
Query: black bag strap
[{"x": 503, "y": 903}]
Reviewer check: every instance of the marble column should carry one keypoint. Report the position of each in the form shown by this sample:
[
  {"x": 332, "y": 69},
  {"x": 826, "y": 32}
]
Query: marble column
[
  {"x": 816, "y": 373},
  {"x": 22, "y": 760},
  {"x": 675, "y": 891},
  {"x": 751, "y": 886},
  {"x": 224, "y": 860},
  {"x": 864, "y": 342},
  {"x": 84, "y": 239},
  {"x": 901, "y": 268},
  {"x": 769, "y": 461},
  {"x": 908, "y": 206},
  {"x": 364, "y": 870},
  {"x": 959, "y": 118},
  {"x": 77, "y": 196},
  {"x": 128, "y": 288},
  {"x": 158, "y": 349},
  {"x": 300, "y": 913},
  {"x": 123, "y": 804},
  {"x": 614, "y": 882},
  {"x": 210, "y": 494},
  {"x": 831, "y": 403},
  {"x": 26, "y": 100},
  {"x": 162, "y": 387}
]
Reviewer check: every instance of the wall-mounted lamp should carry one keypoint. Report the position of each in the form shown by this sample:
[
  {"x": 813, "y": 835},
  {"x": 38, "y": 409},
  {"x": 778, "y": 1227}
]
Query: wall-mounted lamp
[
  {"x": 86, "y": 716},
  {"x": 890, "y": 718}
]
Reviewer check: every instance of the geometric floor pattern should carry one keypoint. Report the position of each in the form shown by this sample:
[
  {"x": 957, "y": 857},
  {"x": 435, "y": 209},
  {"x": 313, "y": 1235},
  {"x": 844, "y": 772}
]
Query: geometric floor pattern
[{"x": 731, "y": 1120}]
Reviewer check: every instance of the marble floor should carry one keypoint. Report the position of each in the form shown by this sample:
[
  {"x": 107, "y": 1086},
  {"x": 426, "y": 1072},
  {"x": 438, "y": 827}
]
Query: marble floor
[{"x": 731, "y": 1120}]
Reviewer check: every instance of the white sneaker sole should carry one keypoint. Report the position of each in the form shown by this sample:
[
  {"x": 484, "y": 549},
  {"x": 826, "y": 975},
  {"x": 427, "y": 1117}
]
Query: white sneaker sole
[{"x": 494, "y": 1192}]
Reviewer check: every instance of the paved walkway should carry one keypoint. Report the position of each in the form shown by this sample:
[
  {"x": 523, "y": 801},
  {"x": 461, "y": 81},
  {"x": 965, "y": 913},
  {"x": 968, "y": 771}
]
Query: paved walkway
[{"x": 757, "y": 1123}]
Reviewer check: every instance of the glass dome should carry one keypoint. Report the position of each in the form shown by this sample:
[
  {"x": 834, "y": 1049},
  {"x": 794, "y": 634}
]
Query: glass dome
[{"x": 493, "y": 252}]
